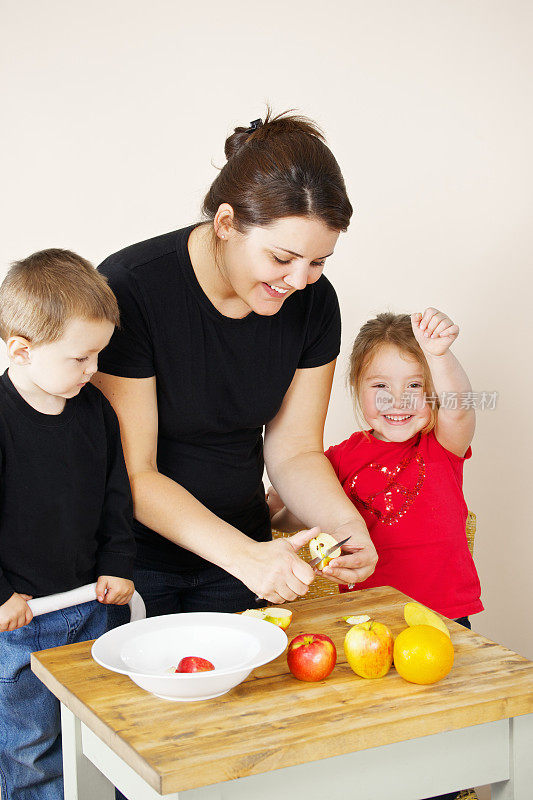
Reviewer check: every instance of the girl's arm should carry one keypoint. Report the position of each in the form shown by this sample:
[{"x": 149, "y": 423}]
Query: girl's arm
[
  {"x": 280, "y": 516},
  {"x": 435, "y": 332},
  {"x": 272, "y": 570},
  {"x": 305, "y": 479}
]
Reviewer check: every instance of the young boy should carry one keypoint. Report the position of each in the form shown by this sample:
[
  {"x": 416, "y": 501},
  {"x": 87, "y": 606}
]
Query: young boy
[{"x": 65, "y": 502}]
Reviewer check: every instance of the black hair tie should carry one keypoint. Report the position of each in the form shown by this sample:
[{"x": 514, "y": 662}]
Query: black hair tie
[{"x": 254, "y": 125}]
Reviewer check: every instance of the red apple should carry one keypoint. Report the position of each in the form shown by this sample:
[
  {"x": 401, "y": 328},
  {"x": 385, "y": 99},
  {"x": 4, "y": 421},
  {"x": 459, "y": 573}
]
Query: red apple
[
  {"x": 369, "y": 648},
  {"x": 194, "y": 664},
  {"x": 311, "y": 656}
]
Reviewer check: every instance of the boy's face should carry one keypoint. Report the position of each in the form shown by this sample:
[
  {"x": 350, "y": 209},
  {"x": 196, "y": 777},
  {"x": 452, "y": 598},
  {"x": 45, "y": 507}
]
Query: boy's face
[
  {"x": 392, "y": 395},
  {"x": 63, "y": 367}
]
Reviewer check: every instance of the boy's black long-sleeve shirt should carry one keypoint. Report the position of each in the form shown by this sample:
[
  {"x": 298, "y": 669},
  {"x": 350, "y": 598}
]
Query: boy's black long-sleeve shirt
[{"x": 65, "y": 500}]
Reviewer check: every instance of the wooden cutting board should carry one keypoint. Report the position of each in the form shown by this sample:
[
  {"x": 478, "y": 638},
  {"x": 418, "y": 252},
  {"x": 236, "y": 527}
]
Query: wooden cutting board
[{"x": 273, "y": 720}]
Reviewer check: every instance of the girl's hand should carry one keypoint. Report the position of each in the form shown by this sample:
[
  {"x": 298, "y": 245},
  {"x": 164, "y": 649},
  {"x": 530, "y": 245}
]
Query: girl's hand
[
  {"x": 274, "y": 501},
  {"x": 15, "y": 612},
  {"x": 434, "y": 331},
  {"x": 116, "y": 591},
  {"x": 274, "y": 571},
  {"x": 358, "y": 560}
]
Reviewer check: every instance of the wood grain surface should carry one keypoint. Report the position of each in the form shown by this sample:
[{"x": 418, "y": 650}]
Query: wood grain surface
[{"x": 273, "y": 720}]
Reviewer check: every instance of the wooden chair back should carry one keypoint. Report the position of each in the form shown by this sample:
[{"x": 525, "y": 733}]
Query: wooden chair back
[{"x": 321, "y": 587}]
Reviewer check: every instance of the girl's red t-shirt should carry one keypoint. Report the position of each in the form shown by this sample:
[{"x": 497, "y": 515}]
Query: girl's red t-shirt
[{"x": 411, "y": 498}]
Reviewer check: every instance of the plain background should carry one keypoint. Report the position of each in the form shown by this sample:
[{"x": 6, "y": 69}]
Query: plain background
[{"x": 114, "y": 119}]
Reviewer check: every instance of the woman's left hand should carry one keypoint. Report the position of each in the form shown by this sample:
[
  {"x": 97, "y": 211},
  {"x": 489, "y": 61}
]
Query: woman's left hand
[{"x": 358, "y": 559}]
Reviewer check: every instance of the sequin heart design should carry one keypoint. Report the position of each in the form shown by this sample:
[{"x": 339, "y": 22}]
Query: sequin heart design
[{"x": 399, "y": 492}]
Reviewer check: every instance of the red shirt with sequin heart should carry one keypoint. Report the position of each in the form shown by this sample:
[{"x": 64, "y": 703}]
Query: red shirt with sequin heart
[{"x": 411, "y": 498}]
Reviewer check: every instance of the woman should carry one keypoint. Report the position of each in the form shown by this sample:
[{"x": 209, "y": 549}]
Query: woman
[{"x": 228, "y": 326}]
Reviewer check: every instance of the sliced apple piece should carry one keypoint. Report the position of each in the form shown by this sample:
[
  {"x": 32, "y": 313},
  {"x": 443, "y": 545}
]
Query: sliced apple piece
[
  {"x": 357, "y": 620},
  {"x": 258, "y": 613},
  {"x": 320, "y": 545},
  {"x": 417, "y": 614},
  {"x": 277, "y": 616}
]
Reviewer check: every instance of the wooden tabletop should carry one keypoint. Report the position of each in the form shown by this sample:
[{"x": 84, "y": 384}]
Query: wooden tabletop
[{"x": 273, "y": 720}]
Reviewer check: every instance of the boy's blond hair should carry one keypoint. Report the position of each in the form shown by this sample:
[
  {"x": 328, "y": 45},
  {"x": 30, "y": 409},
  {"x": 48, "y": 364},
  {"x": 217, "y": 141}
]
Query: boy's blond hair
[
  {"x": 392, "y": 329},
  {"x": 43, "y": 292}
]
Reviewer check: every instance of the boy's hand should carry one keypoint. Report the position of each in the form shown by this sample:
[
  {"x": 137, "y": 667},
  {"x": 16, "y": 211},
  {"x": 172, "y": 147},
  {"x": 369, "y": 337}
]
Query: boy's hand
[
  {"x": 434, "y": 331},
  {"x": 15, "y": 612},
  {"x": 115, "y": 591}
]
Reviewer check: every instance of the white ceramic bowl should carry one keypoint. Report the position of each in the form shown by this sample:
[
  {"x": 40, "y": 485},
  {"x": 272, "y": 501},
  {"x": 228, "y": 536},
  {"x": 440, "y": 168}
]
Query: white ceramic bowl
[{"x": 148, "y": 651}]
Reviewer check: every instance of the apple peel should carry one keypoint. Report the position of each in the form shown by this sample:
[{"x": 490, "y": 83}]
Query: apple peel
[
  {"x": 190, "y": 664},
  {"x": 357, "y": 620}
]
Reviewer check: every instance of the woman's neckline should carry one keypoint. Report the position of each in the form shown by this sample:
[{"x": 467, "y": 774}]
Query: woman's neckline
[{"x": 196, "y": 283}]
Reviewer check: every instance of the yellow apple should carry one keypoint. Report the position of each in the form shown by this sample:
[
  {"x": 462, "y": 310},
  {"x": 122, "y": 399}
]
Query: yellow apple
[
  {"x": 320, "y": 545},
  {"x": 369, "y": 649}
]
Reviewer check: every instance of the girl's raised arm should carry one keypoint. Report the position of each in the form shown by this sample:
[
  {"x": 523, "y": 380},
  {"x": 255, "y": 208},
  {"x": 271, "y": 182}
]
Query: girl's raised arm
[{"x": 435, "y": 332}]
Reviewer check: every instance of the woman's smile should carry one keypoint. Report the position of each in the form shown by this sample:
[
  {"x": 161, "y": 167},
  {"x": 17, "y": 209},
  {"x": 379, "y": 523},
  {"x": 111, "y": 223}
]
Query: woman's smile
[{"x": 273, "y": 290}]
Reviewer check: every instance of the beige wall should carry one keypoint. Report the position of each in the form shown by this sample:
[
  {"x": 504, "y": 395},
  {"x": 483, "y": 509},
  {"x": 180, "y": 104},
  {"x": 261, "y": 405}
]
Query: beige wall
[{"x": 114, "y": 110}]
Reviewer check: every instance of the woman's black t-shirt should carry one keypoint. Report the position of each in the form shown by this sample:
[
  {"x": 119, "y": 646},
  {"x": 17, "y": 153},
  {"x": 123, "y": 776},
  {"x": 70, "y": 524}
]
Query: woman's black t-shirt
[{"x": 219, "y": 380}]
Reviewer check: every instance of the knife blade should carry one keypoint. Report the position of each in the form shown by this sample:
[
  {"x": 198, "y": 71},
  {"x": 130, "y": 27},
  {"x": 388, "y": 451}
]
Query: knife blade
[{"x": 328, "y": 552}]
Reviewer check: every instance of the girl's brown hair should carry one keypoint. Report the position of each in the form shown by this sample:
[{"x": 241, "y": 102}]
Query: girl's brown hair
[
  {"x": 392, "y": 329},
  {"x": 280, "y": 168},
  {"x": 43, "y": 292}
]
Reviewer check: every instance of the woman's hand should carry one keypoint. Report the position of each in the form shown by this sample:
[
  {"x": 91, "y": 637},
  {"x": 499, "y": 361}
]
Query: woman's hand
[
  {"x": 274, "y": 571},
  {"x": 358, "y": 559},
  {"x": 434, "y": 331}
]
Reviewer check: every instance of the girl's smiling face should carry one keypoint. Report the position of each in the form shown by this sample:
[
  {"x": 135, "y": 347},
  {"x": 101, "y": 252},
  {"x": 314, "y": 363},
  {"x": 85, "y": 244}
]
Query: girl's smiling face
[{"x": 392, "y": 395}]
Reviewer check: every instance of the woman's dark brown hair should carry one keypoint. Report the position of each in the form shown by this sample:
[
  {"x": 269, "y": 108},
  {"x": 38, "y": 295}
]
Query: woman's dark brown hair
[{"x": 283, "y": 168}]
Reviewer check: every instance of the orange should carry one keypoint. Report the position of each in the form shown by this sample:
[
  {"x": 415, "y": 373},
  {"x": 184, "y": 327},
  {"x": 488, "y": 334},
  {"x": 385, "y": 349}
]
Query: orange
[{"x": 423, "y": 654}]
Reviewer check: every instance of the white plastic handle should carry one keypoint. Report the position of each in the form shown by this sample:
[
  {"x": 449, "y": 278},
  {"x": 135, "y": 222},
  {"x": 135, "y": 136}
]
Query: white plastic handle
[{"x": 84, "y": 594}]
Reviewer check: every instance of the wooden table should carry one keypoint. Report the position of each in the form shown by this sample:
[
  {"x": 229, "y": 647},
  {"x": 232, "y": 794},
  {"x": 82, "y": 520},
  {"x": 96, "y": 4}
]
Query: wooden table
[{"x": 276, "y": 737}]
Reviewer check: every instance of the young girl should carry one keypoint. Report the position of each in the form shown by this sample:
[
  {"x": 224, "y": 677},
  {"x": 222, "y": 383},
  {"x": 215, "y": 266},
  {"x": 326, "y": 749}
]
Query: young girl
[{"x": 405, "y": 474}]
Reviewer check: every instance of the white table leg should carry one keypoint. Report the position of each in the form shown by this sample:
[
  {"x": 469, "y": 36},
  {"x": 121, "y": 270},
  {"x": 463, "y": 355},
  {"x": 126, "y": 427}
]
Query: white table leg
[
  {"x": 81, "y": 778},
  {"x": 520, "y": 784}
]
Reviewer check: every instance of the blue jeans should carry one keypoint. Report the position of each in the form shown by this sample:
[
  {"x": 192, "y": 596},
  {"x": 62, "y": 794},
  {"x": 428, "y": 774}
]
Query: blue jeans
[{"x": 30, "y": 725}]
